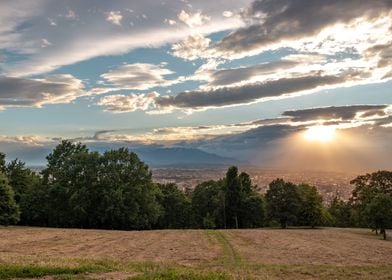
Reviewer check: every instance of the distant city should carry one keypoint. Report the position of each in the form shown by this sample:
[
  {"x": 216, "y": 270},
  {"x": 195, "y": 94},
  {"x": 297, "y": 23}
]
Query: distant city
[{"x": 329, "y": 184}]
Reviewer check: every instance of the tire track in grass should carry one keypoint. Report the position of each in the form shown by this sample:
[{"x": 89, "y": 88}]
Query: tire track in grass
[{"x": 231, "y": 258}]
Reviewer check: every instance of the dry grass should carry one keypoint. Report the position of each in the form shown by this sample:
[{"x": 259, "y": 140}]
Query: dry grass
[
  {"x": 224, "y": 254},
  {"x": 340, "y": 247},
  {"x": 190, "y": 247}
]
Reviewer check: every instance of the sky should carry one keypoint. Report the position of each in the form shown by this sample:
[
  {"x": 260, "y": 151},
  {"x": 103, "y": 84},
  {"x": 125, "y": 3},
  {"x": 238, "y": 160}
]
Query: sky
[{"x": 274, "y": 83}]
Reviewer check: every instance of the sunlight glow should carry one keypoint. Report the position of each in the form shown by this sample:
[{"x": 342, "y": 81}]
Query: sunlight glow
[{"x": 320, "y": 133}]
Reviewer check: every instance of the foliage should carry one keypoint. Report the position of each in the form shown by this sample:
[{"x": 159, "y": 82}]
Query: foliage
[
  {"x": 311, "y": 208},
  {"x": 378, "y": 213},
  {"x": 370, "y": 195},
  {"x": 369, "y": 185},
  {"x": 9, "y": 210},
  {"x": 89, "y": 190},
  {"x": 114, "y": 190},
  {"x": 176, "y": 207},
  {"x": 208, "y": 205},
  {"x": 283, "y": 202},
  {"x": 341, "y": 213}
]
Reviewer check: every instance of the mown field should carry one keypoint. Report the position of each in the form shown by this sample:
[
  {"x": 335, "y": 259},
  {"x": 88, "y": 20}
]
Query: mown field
[{"x": 44, "y": 253}]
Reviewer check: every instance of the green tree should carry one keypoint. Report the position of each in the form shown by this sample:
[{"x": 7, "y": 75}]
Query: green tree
[
  {"x": 283, "y": 202},
  {"x": 367, "y": 187},
  {"x": 9, "y": 211},
  {"x": 86, "y": 189},
  {"x": 208, "y": 204},
  {"x": 34, "y": 204},
  {"x": 20, "y": 178},
  {"x": 60, "y": 177},
  {"x": 341, "y": 212},
  {"x": 378, "y": 213},
  {"x": 252, "y": 211},
  {"x": 233, "y": 197},
  {"x": 311, "y": 209},
  {"x": 130, "y": 195},
  {"x": 176, "y": 207},
  {"x": 2, "y": 163}
]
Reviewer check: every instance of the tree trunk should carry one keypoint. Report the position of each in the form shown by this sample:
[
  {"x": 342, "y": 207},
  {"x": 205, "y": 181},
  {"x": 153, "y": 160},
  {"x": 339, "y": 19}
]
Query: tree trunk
[
  {"x": 384, "y": 234},
  {"x": 236, "y": 221}
]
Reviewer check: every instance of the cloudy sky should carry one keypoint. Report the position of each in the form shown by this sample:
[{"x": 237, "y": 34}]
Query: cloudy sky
[{"x": 260, "y": 81}]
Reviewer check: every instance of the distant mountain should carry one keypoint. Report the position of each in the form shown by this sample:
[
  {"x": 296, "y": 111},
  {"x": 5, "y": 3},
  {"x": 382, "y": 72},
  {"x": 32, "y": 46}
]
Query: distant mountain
[
  {"x": 153, "y": 155},
  {"x": 181, "y": 157}
]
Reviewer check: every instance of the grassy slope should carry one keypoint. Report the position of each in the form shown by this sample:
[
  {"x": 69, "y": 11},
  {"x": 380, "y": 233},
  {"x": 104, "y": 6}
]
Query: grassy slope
[{"x": 236, "y": 254}]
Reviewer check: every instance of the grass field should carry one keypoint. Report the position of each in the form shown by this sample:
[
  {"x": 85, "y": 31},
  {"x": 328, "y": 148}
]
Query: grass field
[{"x": 44, "y": 253}]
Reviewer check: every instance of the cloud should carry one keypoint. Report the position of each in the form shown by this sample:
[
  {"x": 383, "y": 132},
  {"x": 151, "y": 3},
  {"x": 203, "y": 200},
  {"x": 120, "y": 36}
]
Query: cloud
[
  {"x": 193, "y": 20},
  {"x": 114, "y": 17},
  {"x": 344, "y": 113},
  {"x": 384, "y": 54},
  {"x": 193, "y": 47},
  {"x": 227, "y": 13},
  {"x": 89, "y": 35},
  {"x": 273, "y": 22},
  {"x": 271, "y": 143},
  {"x": 243, "y": 74},
  {"x": 139, "y": 76},
  {"x": 228, "y": 96},
  {"x": 20, "y": 92},
  {"x": 120, "y": 103}
]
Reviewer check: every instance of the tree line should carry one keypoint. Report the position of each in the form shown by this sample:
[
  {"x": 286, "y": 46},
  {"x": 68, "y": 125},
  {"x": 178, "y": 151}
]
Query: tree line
[{"x": 114, "y": 190}]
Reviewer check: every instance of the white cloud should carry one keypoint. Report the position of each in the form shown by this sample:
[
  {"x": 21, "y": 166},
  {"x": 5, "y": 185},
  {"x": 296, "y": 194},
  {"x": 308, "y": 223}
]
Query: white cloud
[
  {"x": 120, "y": 103},
  {"x": 45, "y": 43},
  {"x": 77, "y": 40},
  {"x": 193, "y": 20},
  {"x": 193, "y": 47},
  {"x": 140, "y": 76},
  {"x": 227, "y": 13},
  {"x": 31, "y": 140},
  {"x": 114, "y": 17}
]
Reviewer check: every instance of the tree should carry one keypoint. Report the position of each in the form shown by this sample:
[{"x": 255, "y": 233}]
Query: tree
[
  {"x": 367, "y": 187},
  {"x": 130, "y": 195},
  {"x": 2, "y": 163},
  {"x": 9, "y": 211},
  {"x": 311, "y": 209},
  {"x": 20, "y": 178},
  {"x": 341, "y": 212},
  {"x": 233, "y": 197},
  {"x": 283, "y": 202},
  {"x": 176, "y": 207},
  {"x": 60, "y": 175},
  {"x": 378, "y": 213},
  {"x": 208, "y": 204},
  {"x": 252, "y": 211},
  {"x": 86, "y": 189},
  {"x": 34, "y": 204}
]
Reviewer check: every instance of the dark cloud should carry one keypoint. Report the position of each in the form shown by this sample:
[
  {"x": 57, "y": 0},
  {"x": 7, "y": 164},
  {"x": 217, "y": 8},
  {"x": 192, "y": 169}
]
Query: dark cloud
[
  {"x": 235, "y": 75},
  {"x": 276, "y": 20},
  {"x": 331, "y": 113},
  {"x": 384, "y": 54},
  {"x": 249, "y": 93},
  {"x": 36, "y": 92}
]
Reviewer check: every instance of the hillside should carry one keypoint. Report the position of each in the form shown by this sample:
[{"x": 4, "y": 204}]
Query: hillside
[{"x": 198, "y": 254}]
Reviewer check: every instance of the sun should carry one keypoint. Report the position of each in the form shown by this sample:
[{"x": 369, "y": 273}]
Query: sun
[{"x": 320, "y": 133}]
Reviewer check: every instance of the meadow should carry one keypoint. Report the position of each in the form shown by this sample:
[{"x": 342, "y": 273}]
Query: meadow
[{"x": 324, "y": 253}]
